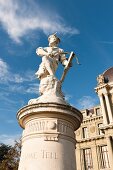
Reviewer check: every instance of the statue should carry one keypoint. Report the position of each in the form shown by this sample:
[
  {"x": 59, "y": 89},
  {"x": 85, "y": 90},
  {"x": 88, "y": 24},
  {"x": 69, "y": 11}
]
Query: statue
[
  {"x": 50, "y": 86},
  {"x": 51, "y": 56},
  {"x": 100, "y": 79}
]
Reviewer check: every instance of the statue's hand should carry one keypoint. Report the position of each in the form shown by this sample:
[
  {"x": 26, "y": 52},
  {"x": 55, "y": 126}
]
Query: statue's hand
[{"x": 66, "y": 64}]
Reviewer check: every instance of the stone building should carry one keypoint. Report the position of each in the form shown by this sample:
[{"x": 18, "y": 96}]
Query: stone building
[{"x": 94, "y": 148}]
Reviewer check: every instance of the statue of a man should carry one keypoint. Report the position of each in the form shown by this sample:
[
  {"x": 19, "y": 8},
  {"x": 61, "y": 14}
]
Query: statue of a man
[
  {"x": 51, "y": 56},
  {"x": 50, "y": 88}
]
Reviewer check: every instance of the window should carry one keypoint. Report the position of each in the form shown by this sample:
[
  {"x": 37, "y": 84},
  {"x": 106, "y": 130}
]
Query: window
[
  {"x": 98, "y": 112},
  {"x": 87, "y": 163},
  {"x": 99, "y": 130},
  {"x": 104, "y": 159},
  {"x": 85, "y": 132}
]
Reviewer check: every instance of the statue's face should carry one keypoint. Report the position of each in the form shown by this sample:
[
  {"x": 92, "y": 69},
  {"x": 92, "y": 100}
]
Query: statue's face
[
  {"x": 53, "y": 44},
  {"x": 53, "y": 41}
]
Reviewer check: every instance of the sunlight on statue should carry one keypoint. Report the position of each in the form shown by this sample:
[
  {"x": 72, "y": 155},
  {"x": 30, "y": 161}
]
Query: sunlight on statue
[
  {"x": 51, "y": 56},
  {"x": 50, "y": 86}
]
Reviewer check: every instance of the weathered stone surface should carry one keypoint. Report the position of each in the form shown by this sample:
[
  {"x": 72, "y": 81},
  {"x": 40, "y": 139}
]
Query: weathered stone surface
[{"x": 48, "y": 140}]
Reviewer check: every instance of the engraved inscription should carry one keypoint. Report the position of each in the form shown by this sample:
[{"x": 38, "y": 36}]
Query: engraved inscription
[
  {"x": 43, "y": 154},
  {"x": 49, "y": 155}
]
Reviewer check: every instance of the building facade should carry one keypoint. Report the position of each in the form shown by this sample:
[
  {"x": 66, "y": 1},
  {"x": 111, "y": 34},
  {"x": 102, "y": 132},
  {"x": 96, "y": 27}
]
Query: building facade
[{"x": 94, "y": 148}]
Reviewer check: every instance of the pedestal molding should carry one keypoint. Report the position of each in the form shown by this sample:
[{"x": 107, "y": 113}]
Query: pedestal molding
[{"x": 48, "y": 109}]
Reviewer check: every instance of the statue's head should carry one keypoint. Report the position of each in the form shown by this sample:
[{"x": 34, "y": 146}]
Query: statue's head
[{"x": 53, "y": 40}]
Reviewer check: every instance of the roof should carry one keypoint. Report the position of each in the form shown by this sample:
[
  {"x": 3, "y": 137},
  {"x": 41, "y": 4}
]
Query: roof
[{"x": 108, "y": 74}]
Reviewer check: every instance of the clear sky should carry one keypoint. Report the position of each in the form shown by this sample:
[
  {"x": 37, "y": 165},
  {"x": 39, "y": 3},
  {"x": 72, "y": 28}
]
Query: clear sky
[{"x": 84, "y": 26}]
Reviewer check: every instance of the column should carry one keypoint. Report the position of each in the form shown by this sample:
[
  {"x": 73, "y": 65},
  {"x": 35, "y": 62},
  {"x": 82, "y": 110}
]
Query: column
[
  {"x": 110, "y": 150},
  {"x": 98, "y": 157},
  {"x": 110, "y": 114},
  {"x": 77, "y": 155},
  {"x": 105, "y": 119},
  {"x": 94, "y": 156}
]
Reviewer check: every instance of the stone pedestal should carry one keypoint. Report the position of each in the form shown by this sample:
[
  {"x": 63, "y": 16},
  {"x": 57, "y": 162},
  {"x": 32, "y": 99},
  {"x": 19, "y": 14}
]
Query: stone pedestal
[{"x": 48, "y": 140}]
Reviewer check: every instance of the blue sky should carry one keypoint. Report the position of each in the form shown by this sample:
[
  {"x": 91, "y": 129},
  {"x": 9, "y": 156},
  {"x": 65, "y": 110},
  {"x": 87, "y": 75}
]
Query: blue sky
[{"x": 85, "y": 27}]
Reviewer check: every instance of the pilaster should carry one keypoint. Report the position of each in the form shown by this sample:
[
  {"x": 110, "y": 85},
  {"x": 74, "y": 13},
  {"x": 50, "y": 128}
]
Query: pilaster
[
  {"x": 110, "y": 114},
  {"x": 110, "y": 150},
  {"x": 78, "y": 156},
  {"x": 95, "y": 157},
  {"x": 103, "y": 108}
]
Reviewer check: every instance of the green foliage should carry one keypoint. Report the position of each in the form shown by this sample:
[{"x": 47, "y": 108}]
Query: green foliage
[
  {"x": 3, "y": 151},
  {"x": 10, "y": 159}
]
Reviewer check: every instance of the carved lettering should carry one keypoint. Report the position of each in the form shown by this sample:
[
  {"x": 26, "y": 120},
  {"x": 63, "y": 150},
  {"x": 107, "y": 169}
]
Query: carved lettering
[
  {"x": 49, "y": 155},
  {"x": 43, "y": 154}
]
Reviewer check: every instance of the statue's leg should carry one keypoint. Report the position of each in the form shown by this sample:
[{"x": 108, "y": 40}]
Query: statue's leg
[
  {"x": 49, "y": 65},
  {"x": 40, "y": 71}
]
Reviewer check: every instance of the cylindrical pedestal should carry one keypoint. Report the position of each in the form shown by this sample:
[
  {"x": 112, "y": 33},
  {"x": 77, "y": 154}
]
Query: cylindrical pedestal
[{"x": 48, "y": 140}]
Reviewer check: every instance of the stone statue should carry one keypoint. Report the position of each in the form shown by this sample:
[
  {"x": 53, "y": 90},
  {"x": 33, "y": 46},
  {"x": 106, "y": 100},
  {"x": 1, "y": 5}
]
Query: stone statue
[
  {"x": 51, "y": 56},
  {"x": 50, "y": 86},
  {"x": 100, "y": 79}
]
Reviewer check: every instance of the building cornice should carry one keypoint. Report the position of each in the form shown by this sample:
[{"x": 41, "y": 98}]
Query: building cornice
[
  {"x": 92, "y": 119},
  {"x": 101, "y": 86},
  {"x": 105, "y": 127},
  {"x": 91, "y": 139}
]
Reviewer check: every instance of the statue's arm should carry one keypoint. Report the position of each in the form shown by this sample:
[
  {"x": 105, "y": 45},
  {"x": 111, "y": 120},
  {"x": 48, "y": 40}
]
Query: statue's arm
[
  {"x": 63, "y": 58},
  {"x": 41, "y": 51}
]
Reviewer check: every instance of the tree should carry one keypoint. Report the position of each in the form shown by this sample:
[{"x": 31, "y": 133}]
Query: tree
[
  {"x": 3, "y": 151},
  {"x": 11, "y": 158}
]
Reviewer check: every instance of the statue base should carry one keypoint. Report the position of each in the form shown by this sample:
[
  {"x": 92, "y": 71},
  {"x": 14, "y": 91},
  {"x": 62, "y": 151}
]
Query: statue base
[
  {"x": 50, "y": 90},
  {"x": 48, "y": 140}
]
